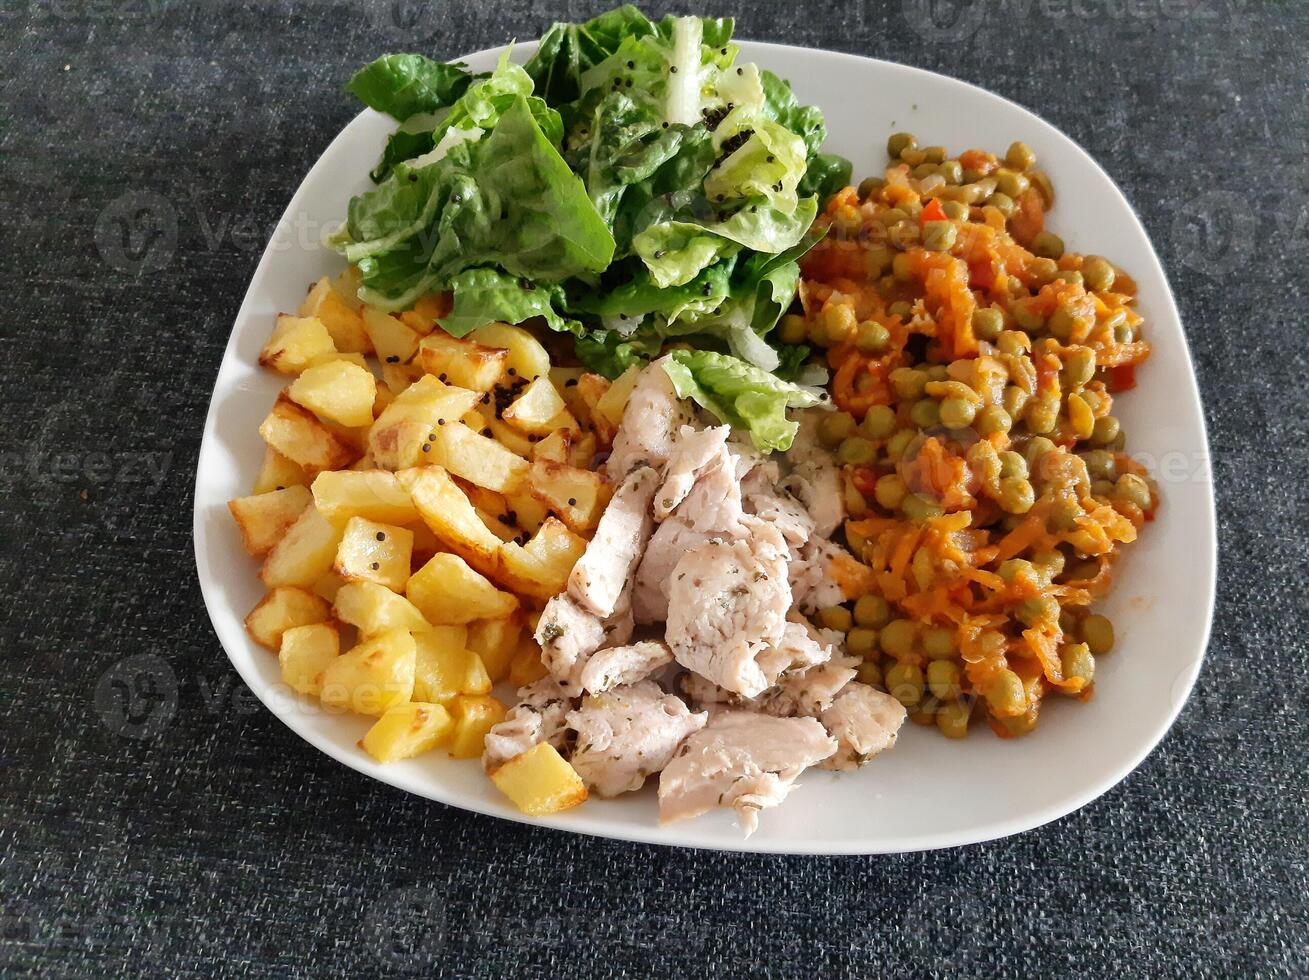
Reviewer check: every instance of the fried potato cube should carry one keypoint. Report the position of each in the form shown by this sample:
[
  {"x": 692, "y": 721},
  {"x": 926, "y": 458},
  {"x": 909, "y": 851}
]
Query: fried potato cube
[
  {"x": 397, "y": 438},
  {"x": 358, "y": 360},
  {"x": 398, "y": 377},
  {"x": 583, "y": 450},
  {"x": 526, "y": 667},
  {"x": 298, "y": 435},
  {"x": 445, "y": 668},
  {"x": 280, "y": 610},
  {"x": 304, "y": 554},
  {"x": 541, "y": 567},
  {"x": 278, "y": 472},
  {"x": 529, "y": 513},
  {"x": 474, "y": 715},
  {"x": 375, "y": 494},
  {"x": 477, "y": 459},
  {"x": 536, "y": 408},
  {"x": 328, "y": 586},
  {"x": 376, "y": 675},
  {"x": 590, "y": 389},
  {"x": 540, "y": 781},
  {"x": 429, "y": 308},
  {"x": 394, "y": 342},
  {"x": 461, "y": 362},
  {"x": 265, "y": 517},
  {"x": 555, "y": 447},
  {"x": 496, "y": 642},
  {"x": 577, "y": 496},
  {"x": 607, "y": 413},
  {"x": 407, "y": 730},
  {"x": 374, "y": 609},
  {"x": 448, "y": 592},
  {"x": 373, "y": 552},
  {"x": 451, "y": 517},
  {"x": 337, "y": 390},
  {"x": 305, "y": 654},
  {"x": 483, "y": 420},
  {"x": 341, "y": 320},
  {"x": 294, "y": 344},
  {"x": 526, "y": 358},
  {"x": 567, "y": 381}
]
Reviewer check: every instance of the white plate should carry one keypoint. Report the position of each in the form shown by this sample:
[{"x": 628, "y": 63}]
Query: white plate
[{"x": 928, "y": 792}]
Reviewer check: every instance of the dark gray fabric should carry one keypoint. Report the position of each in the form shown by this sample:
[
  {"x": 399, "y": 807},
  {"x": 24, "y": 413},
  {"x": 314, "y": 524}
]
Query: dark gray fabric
[{"x": 204, "y": 838}]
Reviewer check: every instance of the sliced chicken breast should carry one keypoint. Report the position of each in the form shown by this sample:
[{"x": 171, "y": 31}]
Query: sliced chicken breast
[
  {"x": 727, "y": 604},
  {"x": 568, "y": 635},
  {"x": 810, "y": 572},
  {"x": 616, "y": 666},
  {"x": 814, "y": 477},
  {"x": 628, "y": 733},
  {"x": 864, "y": 721},
  {"x": 651, "y": 422},
  {"x": 694, "y": 451},
  {"x": 776, "y": 506},
  {"x": 742, "y": 760},
  {"x": 600, "y": 575},
  {"x": 538, "y": 717}
]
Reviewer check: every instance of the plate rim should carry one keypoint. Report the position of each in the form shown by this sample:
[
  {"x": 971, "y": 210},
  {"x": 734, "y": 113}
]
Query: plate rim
[{"x": 687, "y": 834}]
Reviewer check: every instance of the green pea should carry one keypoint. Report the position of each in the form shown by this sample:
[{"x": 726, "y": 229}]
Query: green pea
[
  {"x": 872, "y": 337},
  {"x": 957, "y": 413},
  {"x": 877, "y": 260},
  {"x": 938, "y": 236},
  {"x": 1042, "y": 183},
  {"x": 1078, "y": 662},
  {"x": 901, "y": 309},
  {"x": 1064, "y": 514},
  {"x": 902, "y": 266},
  {"x": 878, "y": 423},
  {"x": 954, "y": 210},
  {"x": 1098, "y": 634},
  {"x": 937, "y": 372},
  {"x": 1036, "y": 448},
  {"x": 1043, "y": 270},
  {"x": 1019, "y": 724},
  {"x": 1041, "y": 414},
  {"x": 990, "y": 420},
  {"x": 952, "y": 719},
  {"x": 925, "y": 413},
  {"x": 987, "y": 323},
  {"x": 1003, "y": 203},
  {"x": 856, "y": 451},
  {"x": 1048, "y": 245},
  {"x": 1062, "y": 322},
  {"x": 1079, "y": 367},
  {"x": 1005, "y": 693},
  {"x": 1124, "y": 332},
  {"x": 952, "y": 171},
  {"x": 1014, "y": 399},
  {"x": 1071, "y": 275},
  {"x": 925, "y": 169},
  {"x": 1012, "y": 464},
  {"x": 1016, "y": 495},
  {"x": 872, "y": 611},
  {"x": 861, "y": 641},
  {"x": 1051, "y": 563},
  {"x": 870, "y": 673},
  {"x": 904, "y": 682},
  {"x": 1103, "y": 489},
  {"x": 1012, "y": 184},
  {"x": 1133, "y": 489},
  {"x": 1105, "y": 431},
  {"x": 1100, "y": 464},
  {"x": 934, "y": 154},
  {"x": 1012, "y": 569},
  {"x": 898, "y": 443},
  {"x": 1099, "y": 274},
  {"x": 890, "y": 491},
  {"x": 835, "y": 428},
  {"x": 898, "y": 143},
  {"x": 918, "y": 508},
  {"x": 938, "y": 642},
  {"x": 893, "y": 216},
  {"x": 1092, "y": 399},
  {"x": 897, "y": 637},
  {"x": 870, "y": 186},
  {"x": 1020, "y": 156},
  {"x": 1026, "y": 316},
  {"x": 943, "y": 679},
  {"x": 836, "y": 618}
]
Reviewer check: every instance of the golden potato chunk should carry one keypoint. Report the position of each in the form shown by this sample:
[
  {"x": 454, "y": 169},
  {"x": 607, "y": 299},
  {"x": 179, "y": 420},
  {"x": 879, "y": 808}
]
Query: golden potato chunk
[
  {"x": 294, "y": 344},
  {"x": 305, "y": 654},
  {"x": 448, "y": 592},
  {"x": 337, "y": 390},
  {"x": 536, "y": 408},
  {"x": 540, "y": 781},
  {"x": 265, "y": 517},
  {"x": 301, "y": 437},
  {"x": 339, "y": 317},
  {"x": 328, "y": 586},
  {"x": 461, "y": 362},
  {"x": 526, "y": 358},
  {"x": 444, "y": 667},
  {"x": 375, "y": 494},
  {"x": 590, "y": 389},
  {"x": 398, "y": 437},
  {"x": 375, "y": 609},
  {"x": 278, "y": 472},
  {"x": 451, "y": 517},
  {"x": 526, "y": 667},
  {"x": 477, "y": 459},
  {"x": 304, "y": 554},
  {"x": 607, "y": 413},
  {"x": 376, "y": 675},
  {"x": 407, "y": 730},
  {"x": 541, "y": 567},
  {"x": 577, "y": 496},
  {"x": 373, "y": 552},
  {"x": 529, "y": 513},
  {"x": 280, "y": 610},
  {"x": 555, "y": 447},
  {"x": 474, "y": 715},
  {"x": 394, "y": 342},
  {"x": 495, "y": 641}
]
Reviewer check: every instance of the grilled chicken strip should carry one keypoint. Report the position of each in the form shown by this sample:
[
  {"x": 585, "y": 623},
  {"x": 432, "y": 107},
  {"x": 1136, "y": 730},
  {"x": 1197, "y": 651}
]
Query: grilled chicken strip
[
  {"x": 864, "y": 721},
  {"x": 538, "y": 717},
  {"x": 600, "y": 575}
]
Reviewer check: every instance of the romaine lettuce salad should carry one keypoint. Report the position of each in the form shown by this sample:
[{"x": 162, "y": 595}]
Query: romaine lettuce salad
[{"x": 631, "y": 184}]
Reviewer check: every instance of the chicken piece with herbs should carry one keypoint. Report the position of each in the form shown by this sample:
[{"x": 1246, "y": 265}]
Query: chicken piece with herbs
[
  {"x": 538, "y": 717},
  {"x": 864, "y": 721}
]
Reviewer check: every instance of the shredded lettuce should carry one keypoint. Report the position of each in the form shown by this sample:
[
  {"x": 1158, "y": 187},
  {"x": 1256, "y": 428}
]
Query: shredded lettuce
[{"x": 402, "y": 85}]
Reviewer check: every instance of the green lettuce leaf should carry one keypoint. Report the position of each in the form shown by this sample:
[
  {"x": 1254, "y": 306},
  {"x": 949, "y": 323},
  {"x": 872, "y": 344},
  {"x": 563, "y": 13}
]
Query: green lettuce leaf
[
  {"x": 744, "y": 396},
  {"x": 402, "y": 85},
  {"x": 488, "y": 295},
  {"x": 568, "y": 51}
]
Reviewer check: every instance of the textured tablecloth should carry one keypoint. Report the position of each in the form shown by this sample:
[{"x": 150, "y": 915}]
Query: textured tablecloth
[{"x": 217, "y": 842}]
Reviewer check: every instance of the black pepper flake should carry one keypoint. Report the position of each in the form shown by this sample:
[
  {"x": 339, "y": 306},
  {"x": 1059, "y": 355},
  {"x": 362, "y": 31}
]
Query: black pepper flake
[
  {"x": 659, "y": 254},
  {"x": 526, "y": 284},
  {"x": 442, "y": 378},
  {"x": 456, "y": 199},
  {"x": 431, "y": 437},
  {"x": 280, "y": 488},
  {"x": 393, "y": 359},
  {"x": 572, "y": 501},
  {"x": 631, "y": 64},
  {"x": 374, "y": 566},
  {"x": 740, "y": 71},
  {"x": 771, "y": 158},
  {"x": 440, "y": 421},
  {"x": 427, "y": 447},
  {"x": 708, "y": 288},
  {"x": 570, "y": 383},
  {"x": 413, "y": 178},
  {"x": 512, "y": 372},
  {"x": 673, "y": 69},
  {"x": 506, "y": 520},
  {"x": 486, "y": 431},
  {"x": 665, "y": 125},
  {"x": 534, "y": 438},
  {"x": 381, "y": 535},
  {"x": 486, "y": 398},
  {"x": 723, "y": 51}
]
